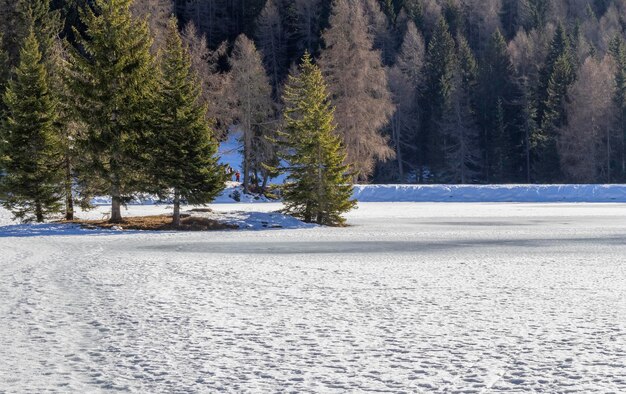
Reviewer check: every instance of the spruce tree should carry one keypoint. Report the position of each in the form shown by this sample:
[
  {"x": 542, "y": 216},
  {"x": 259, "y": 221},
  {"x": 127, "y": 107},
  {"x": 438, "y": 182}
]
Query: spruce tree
[
  {"x": 4, "y": 74},
  {"x": 498, "y": 97},
  {"x": 184, "y": 145},
  {"x": 439, "y": 73},
  {"x": 113, "y": 79},
  {"x": 557, "y": 75},
  {"x": 32, "y": 183},
  {"x": 318, "y": 188},
  {"x": 618, "y": 52}
]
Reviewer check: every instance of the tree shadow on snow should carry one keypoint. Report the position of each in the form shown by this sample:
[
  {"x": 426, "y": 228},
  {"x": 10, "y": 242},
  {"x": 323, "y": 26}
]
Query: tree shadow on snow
[{"x": 50, "y": 229}]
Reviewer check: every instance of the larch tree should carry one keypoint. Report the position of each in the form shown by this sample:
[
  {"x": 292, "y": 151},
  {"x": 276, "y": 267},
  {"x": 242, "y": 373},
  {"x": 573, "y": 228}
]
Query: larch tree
[
  {"x": 185, "y": 151},
  {"x": 253, "y": 109},
  {"x": 33, "y": 181},
  {"x": 405, "y": 83},
  {"x": 113, "y": 78},
  {"x": 157, "y": 13},
  {"x": 358, "y": 88},
  {"x": 205, "y": 64},
  {"x": 586, "y": 143},
  {"x": 318, "y": 188}
]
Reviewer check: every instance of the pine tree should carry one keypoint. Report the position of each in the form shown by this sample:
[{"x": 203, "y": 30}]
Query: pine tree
[
  {"x": 114, "y": 82},
  {"x": 459, "y": 125},
  {"x": 4, "y": 74},
  {"x": 318, "y": 188},
  {"x": 272, "y": 42},
  {"x": 438, "y": 75},
  {"x": 557, "y": 75},
  {"x": 461, "y": 134},
  {"x": 555, "y": 117},
  {"x": 184, "y": 147},
  {"x": 498, "y": 98},
  {"x": 618, "y": 53},
  {"x": 32, "y": 183}
]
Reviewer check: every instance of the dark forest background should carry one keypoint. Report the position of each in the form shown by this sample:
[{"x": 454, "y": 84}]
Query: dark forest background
[{"x": 426, "y": 91}]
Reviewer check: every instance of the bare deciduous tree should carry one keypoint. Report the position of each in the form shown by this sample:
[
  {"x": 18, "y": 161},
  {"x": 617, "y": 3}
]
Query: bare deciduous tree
[
  {"x": 586, "y": 144},
  {"x": 358, "y": 85},
  {"x": 253, "y": 108}
]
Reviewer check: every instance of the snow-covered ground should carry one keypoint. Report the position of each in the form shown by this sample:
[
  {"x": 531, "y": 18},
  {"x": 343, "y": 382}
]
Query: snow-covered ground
[{"x": 410, "y": 298}]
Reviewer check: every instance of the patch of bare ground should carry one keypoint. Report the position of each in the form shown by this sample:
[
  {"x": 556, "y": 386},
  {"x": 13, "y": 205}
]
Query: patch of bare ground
[{"x": 157, "y": 223}]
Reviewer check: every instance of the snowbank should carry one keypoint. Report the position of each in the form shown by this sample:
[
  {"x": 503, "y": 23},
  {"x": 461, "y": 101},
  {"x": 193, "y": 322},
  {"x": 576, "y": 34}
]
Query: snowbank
[{"x": 490, "y": 193}]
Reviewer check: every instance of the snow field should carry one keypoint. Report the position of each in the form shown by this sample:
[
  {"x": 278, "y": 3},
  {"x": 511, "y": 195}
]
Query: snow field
[{"x": 410, "y": 298}]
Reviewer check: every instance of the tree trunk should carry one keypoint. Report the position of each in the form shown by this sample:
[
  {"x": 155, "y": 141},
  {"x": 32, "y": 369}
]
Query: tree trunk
[
  {"x": 116, "y": 205},
  {"x": 176, "y": 216},
  {"x": 69, "y": 198},
  {"x": 38, "y": 212}
]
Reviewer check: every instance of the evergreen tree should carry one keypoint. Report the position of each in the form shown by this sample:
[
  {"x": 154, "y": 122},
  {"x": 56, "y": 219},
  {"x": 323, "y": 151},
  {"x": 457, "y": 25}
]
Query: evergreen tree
[
  {"x": 4, "y": 74},
  {"x": 438, "y": 75},
  {"x": 459, "y": 124},
  {"x": 557, "y": 75},
  {"x": 498, "y": 98},
  {"x": 555, "y": 117},
  {"x": 318, "y": 188},
  {"x": 461, "y": 135},
  {"x": 272, "y": 41},
  {"x": 618, "y": 53},
  {"x": 184, "y": 147},
  {"x": 113, "y": 78},
  {"x": 32, "y": 183}
]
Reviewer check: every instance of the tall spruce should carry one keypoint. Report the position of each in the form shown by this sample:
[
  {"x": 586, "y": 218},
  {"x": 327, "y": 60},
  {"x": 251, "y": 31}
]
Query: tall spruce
[
  {"x": 33, "y": 180},
  {"x": 618, "y": 53},
  {"x": 113, "y": 77},
  {"x": 557, "y": 75},
  {"x": 438, "y": 76},
  {"x": 5, "y": 71},
  {"x": 318, "y": 188},
  {"x": 498, "y": 98},
  {"x": 185, "y": 150},
  {"x": 459, "y": 125}
]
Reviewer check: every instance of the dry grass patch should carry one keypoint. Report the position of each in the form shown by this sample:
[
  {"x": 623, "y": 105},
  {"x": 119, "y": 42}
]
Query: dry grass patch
[{"x": 158, "y": 223}]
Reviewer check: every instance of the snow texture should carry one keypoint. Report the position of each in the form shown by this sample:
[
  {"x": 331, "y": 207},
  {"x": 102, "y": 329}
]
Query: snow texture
[
  {"x": 411, "y": 298},
  {"x": 490, "y": 193}
]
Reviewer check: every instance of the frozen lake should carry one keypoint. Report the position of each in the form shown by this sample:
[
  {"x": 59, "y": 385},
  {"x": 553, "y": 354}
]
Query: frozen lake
[{"x": 410, "y": 298}]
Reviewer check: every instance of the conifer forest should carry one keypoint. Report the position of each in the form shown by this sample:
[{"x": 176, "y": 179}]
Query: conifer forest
[{"x": 96, "y": 92}]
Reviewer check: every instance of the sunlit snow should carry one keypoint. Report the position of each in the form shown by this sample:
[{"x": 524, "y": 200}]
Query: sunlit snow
[{"x": 409, "y": 298}]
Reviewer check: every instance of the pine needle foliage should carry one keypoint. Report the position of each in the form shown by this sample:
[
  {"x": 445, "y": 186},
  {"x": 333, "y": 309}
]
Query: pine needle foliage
[
  {"x": 113, "y": 78},
  {"x": 185, "y": 149},
  {"x": 319, "y": 187},
  {"x": 33, "y": 179}
]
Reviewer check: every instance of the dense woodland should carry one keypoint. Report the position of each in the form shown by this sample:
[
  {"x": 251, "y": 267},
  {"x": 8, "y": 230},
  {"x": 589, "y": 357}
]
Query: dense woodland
[{"x": 424, "y": 91}]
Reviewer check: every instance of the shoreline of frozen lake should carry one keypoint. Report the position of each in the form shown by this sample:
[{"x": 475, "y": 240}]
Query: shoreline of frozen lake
[{"x": 409, "y": 298}]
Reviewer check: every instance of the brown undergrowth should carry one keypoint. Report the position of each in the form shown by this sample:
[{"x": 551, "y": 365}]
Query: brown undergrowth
[{"x": 157, "y": 223}]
